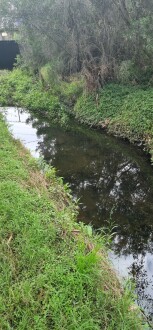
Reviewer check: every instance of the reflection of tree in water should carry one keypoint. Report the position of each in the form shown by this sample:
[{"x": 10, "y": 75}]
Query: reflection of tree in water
[
  {"x": 41, "y": 126},
  {"x": 133, "y": 239},
  {"x": 104, "y": 176},
  {"x": 143, "y": 284},
  {"x": 141, "y": 266}
]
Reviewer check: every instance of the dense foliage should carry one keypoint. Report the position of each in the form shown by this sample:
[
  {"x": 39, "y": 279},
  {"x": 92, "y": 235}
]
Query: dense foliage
[
  {"x": 21, "y": 89},
  {"x": 126, "y": 111},
  {"x": 104, "y": 39}
]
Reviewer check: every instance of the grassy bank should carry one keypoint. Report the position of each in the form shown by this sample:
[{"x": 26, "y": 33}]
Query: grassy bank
[
  {"x": 126, "y": 111},
  {"x": 54, "y": 272},
  {"x": 21, "y": 89}
]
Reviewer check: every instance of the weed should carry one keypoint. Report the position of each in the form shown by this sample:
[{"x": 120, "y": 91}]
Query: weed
[
  {"x": 49, "y": 277},
  {"x": 126, "y": 111},
  {"x": 21, "y": 89}
]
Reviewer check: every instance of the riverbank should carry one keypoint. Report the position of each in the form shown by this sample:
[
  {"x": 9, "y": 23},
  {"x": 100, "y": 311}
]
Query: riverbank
[
  {"x": 124, "y": 111},
  {"x": 55, "y": 273}
]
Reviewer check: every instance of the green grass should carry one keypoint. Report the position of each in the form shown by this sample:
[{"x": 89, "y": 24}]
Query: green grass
[
  {"x": 126, "y": 111},
  {"x": 19, "y": 88},
  {"x": 54, "y": 272},
  {"x": 52, "y": 98},
  {"x": 67, "y": 91}
]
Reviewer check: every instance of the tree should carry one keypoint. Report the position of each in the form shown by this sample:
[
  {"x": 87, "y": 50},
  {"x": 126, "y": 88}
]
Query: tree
[{"x": 93, "y": 36}]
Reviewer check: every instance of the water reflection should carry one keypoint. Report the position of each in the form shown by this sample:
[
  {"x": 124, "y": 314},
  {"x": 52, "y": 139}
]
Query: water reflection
[{"x": 107, "y": 174}]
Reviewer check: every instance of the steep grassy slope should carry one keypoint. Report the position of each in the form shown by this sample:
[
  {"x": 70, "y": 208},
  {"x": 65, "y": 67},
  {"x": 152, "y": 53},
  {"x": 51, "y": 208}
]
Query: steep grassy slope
[{"x": 54, "y": 272}]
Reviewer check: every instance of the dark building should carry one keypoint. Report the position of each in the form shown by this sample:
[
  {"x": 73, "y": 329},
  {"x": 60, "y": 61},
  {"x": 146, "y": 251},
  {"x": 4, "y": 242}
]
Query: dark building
[{"x": 9, "y": 49}]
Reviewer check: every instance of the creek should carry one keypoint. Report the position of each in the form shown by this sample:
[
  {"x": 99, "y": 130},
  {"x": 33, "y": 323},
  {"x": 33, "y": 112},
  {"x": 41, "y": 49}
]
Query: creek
[{"x": 113, "y": 181}]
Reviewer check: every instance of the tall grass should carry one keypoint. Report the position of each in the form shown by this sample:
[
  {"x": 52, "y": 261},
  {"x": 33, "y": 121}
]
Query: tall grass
[{"x": 54, "y": 272}]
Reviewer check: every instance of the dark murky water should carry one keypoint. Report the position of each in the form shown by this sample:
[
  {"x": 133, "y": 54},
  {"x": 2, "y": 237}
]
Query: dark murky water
[{"x": 108, "y": 176}]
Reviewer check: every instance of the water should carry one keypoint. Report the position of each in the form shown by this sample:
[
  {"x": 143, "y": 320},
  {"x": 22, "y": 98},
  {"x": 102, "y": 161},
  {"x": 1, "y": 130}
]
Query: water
[{"x": 108, "y": 176}]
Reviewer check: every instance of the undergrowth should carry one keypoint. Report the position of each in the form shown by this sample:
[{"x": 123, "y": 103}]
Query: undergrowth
[
  {"x": 126, "y": 111},
  {"x": 54, "y": 272},
  {"x": 68, "y": 90},
  {"x": 53, "y": 98},
  {"x": 19, "y": 88}
]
